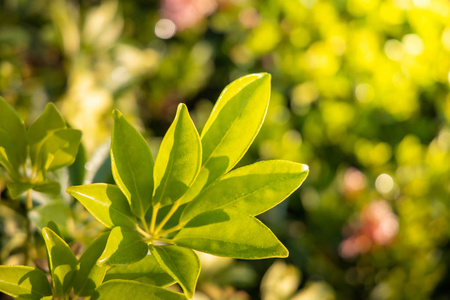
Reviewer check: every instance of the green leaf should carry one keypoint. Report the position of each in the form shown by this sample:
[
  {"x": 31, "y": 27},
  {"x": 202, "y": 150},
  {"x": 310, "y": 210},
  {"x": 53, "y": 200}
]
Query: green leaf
[
  {"x": 178, "y": 160},
  {"x": 24, "y": 282},
  {"x": 231, "y": 128},
  {"x": 105, "y": 202},
  {"x": 251, "y": 189},
  {"x": 17, "y": 188},
  {"x": 146, "y": 270},
  {"x": 63, "y": 264},
  {"x": 124, "y": 246},
  {"x": 7, "y": 147},
  {"x": 232, "y": 234},
  {"x": 47, "y": 187},
  {"x": 14, "y": 147},
  {"x": 124, "y": 289},
  {"x": 59, "y": 149},
  {"x": 132, "y": 165},
  {"x": 55, "y": 212},
  {"x": 180, "y": 263},
  {"x": 90, "y": 274},
  {"x": 49, "y": 121}
]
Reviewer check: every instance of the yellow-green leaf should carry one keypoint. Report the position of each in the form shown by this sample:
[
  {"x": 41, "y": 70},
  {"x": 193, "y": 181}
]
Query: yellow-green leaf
[{"x": 24, "y": 282}]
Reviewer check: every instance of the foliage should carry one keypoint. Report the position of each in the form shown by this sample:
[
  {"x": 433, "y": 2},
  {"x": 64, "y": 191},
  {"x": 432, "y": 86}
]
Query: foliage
[{"x": 210, "y": 208}]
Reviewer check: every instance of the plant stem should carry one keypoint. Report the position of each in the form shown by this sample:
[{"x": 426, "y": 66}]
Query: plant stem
[
  {"x": 144, "y": 233},
  {"x": 28, "y": 208},
  {"x": 172, "y": 210},
  {"x": 144, "y": 223},
  {"x": 154, "y": 214},
  {"x": 170, "y": 230}
]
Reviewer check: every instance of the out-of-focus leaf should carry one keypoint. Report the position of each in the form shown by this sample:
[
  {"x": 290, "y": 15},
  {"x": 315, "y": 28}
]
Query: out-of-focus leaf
[
  {"x": 48, "y": 122},
  {"x": 132, "y": 165},
  {"x": 6, "y": 146},
  {"x": 63, "y": 264},
  {"x": 251, "y": 189},
  {"x": 178, "y": 160},
  {"x": 90, "y": 275},
  {"x": 15, "y": 147},
  {"x": 231, "y": 128},
  {"x": 180, "y": 263},
  {"x": 146, "y": 270},
  {"x": 232, "y": 234},
  {"x": 105, "y": 202},
  {"x": 47, "y": 187},
  {"x": 24, "y": 282},
  {"x": 123, "y": 289},
  {"x": 17, "y": 188},
  {"x": 124, "y": 246},
  {"x": 55, "y": 211}
]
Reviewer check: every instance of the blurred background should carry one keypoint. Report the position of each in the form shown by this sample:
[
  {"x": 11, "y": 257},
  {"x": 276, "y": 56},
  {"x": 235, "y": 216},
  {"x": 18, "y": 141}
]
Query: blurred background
[{"x": 360, "y": 93}]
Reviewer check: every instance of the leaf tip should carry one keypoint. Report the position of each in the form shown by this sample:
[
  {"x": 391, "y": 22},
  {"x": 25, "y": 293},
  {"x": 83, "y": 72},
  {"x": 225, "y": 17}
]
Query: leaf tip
[{"x": 117, "y": 114}]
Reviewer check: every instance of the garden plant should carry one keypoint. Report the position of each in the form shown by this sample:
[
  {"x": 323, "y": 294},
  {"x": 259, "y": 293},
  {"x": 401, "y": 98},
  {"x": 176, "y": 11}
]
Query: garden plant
[{"x": 158, "y": 211}]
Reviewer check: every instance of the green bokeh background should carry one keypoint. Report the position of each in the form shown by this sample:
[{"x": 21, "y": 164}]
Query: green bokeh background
[{"x": 360, "y": 93}]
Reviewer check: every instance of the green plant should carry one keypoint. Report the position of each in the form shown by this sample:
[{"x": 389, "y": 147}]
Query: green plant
[{"x": 188, "y": 199}]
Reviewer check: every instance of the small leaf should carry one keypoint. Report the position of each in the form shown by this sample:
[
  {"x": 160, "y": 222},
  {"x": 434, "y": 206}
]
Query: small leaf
[
  {"x": 251, "y": 189},
  {"x": 15, "y": 147},
  {"x": 6, "y": 148},
  {"x": 132, "y": 165},
  {"x": 90, "y": 274},
  {"x": 230, "y": 233},
  {"x": 124, "y": 246},
  {"x": 231, "y": 128},
  {"x": 63, "y": 264},
  {"x": 49, "y": 121},
  {"x": 124, "y": 289},
  {"x": 180, "y": 263},
  {"x": 105, "y": 202},
  {"x": 47, "y": 187},
  {"x": 17, "y": 188},
  {"x": 178, "y": 160},
  {"x": 24, "y": 282},
  {"x": 146, "y": 270}
]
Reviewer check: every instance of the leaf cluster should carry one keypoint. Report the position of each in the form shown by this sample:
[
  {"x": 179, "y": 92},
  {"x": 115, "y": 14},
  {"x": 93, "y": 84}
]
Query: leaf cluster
[{"x": 160, "y": 211}]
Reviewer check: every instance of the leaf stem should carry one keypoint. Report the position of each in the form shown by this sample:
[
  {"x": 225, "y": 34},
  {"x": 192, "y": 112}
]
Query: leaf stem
[
  {"x": 168, "y": 241},
  {"x": 144, "y": 223},
  {"x": 154, "y": 215},
  {"x": 170, "y": 230},
  {"x": 143, "y": 232},
  {"x": 27, "y": 244},
  {"x": 172, "y": 210}
]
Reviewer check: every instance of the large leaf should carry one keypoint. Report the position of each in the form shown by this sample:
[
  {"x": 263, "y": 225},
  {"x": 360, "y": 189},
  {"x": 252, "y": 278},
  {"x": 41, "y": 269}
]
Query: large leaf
[
  {"x": 132, "y": 165},
  {"x": 62, "y": 262},
  {"x": 49, "y": 121},
  {"x": 124, "y": 289},
  {"x": 15, "y": 147},
  {"x": 146, "y": 270},
  {"x": 231, "y": 128},
  {"x": 124, "y": 246},
  {"x": 178, "y": 160},
  {"x": 232, "y": 234},
  {"x": 180, "y": 263},
  {"x": 105, "y": 202},
  {"x": 24, "y": 282},
  {"x": 90, "y": 274},
  {"x": 251, "y": 189}
]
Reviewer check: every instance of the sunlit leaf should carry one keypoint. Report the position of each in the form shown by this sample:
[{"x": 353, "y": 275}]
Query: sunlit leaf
[
  {"x": 232, "y": 234},
  {"x": 90, "y": 274},
  {"x": 146, "y": 270},
  {"x": 124, "y": 246},
  {"x": 231, "y": 128},
  {"x": 132, "y": 165},
  {"x": 105, "y": 202},
  {"x": 251, "y": 189},
  {"x": 179, "y": 159},
  {"x": 24, "y": 282},
  {"x": 180, "y": 263},
  {"x": 63, "y": 264},
  {"x": 6, "y": 147},
  {"x": 124, "y": 289}
]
